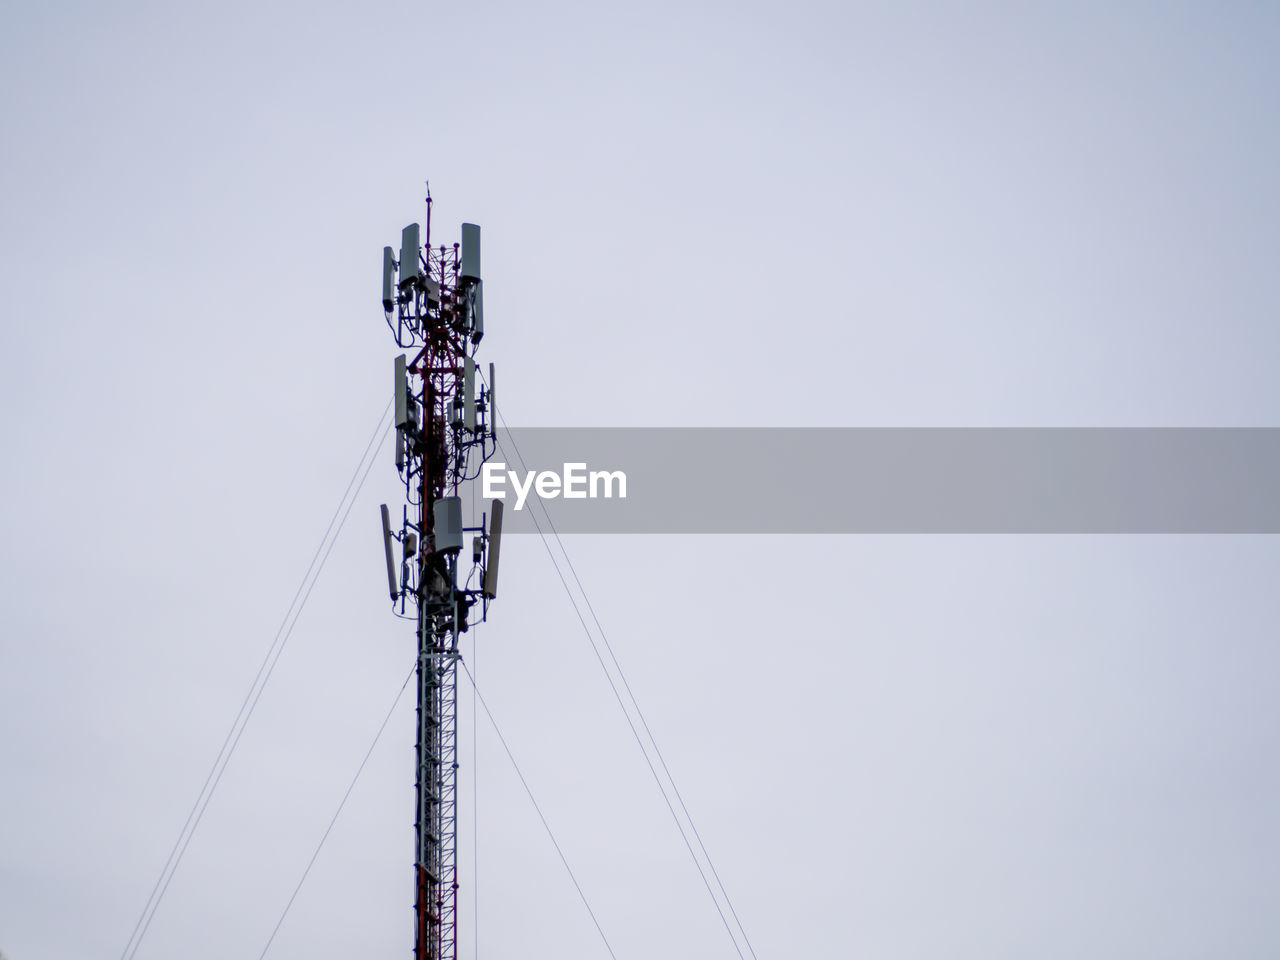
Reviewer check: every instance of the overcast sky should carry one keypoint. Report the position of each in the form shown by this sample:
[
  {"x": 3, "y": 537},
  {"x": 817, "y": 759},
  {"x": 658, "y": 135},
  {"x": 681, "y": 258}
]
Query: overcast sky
[{"x": 735, "y": 214}]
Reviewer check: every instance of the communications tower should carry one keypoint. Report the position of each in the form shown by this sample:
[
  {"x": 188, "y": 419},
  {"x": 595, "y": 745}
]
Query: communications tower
[{"x": 445, "y": 430}]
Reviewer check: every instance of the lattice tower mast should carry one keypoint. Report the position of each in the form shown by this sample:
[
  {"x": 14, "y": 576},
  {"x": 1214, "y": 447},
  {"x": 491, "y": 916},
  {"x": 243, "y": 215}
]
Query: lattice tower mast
[{"x": 445, "y": 423}]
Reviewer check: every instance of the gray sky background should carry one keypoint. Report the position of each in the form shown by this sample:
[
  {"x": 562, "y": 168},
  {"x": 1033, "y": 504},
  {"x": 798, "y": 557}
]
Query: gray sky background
[{"x": 720, "y": 215}]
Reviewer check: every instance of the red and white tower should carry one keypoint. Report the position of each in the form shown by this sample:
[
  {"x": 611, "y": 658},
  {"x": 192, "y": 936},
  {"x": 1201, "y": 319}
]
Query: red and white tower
[{"x": 445, "y": 429}]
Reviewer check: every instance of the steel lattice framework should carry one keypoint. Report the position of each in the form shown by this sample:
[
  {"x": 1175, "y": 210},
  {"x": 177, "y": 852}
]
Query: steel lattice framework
[{"x": 444, "y": 426}]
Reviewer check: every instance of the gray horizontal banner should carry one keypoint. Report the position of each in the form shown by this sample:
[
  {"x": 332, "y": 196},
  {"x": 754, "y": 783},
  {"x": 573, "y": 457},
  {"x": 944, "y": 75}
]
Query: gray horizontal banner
[{"x": 817, "y": 480}]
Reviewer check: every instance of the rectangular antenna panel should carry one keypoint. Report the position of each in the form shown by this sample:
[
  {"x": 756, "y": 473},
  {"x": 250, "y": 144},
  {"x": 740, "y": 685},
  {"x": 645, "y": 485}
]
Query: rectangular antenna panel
[
  {"x": 402, "y": 392},
  {"x": 392, "y": 586},
  {"x": 409, "y": 247},
  {"x": 447, "y": 513},
  {"x": 477, "y": 311},
  {"x": 469, "y": 395},
  {"x": 388, "y": 278},
  {"x": 490, "y": 584},
  {"x": 493, "y": 404},
  {"x": 470, "y": 252},
  {"x": 399, "y": 449}
]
